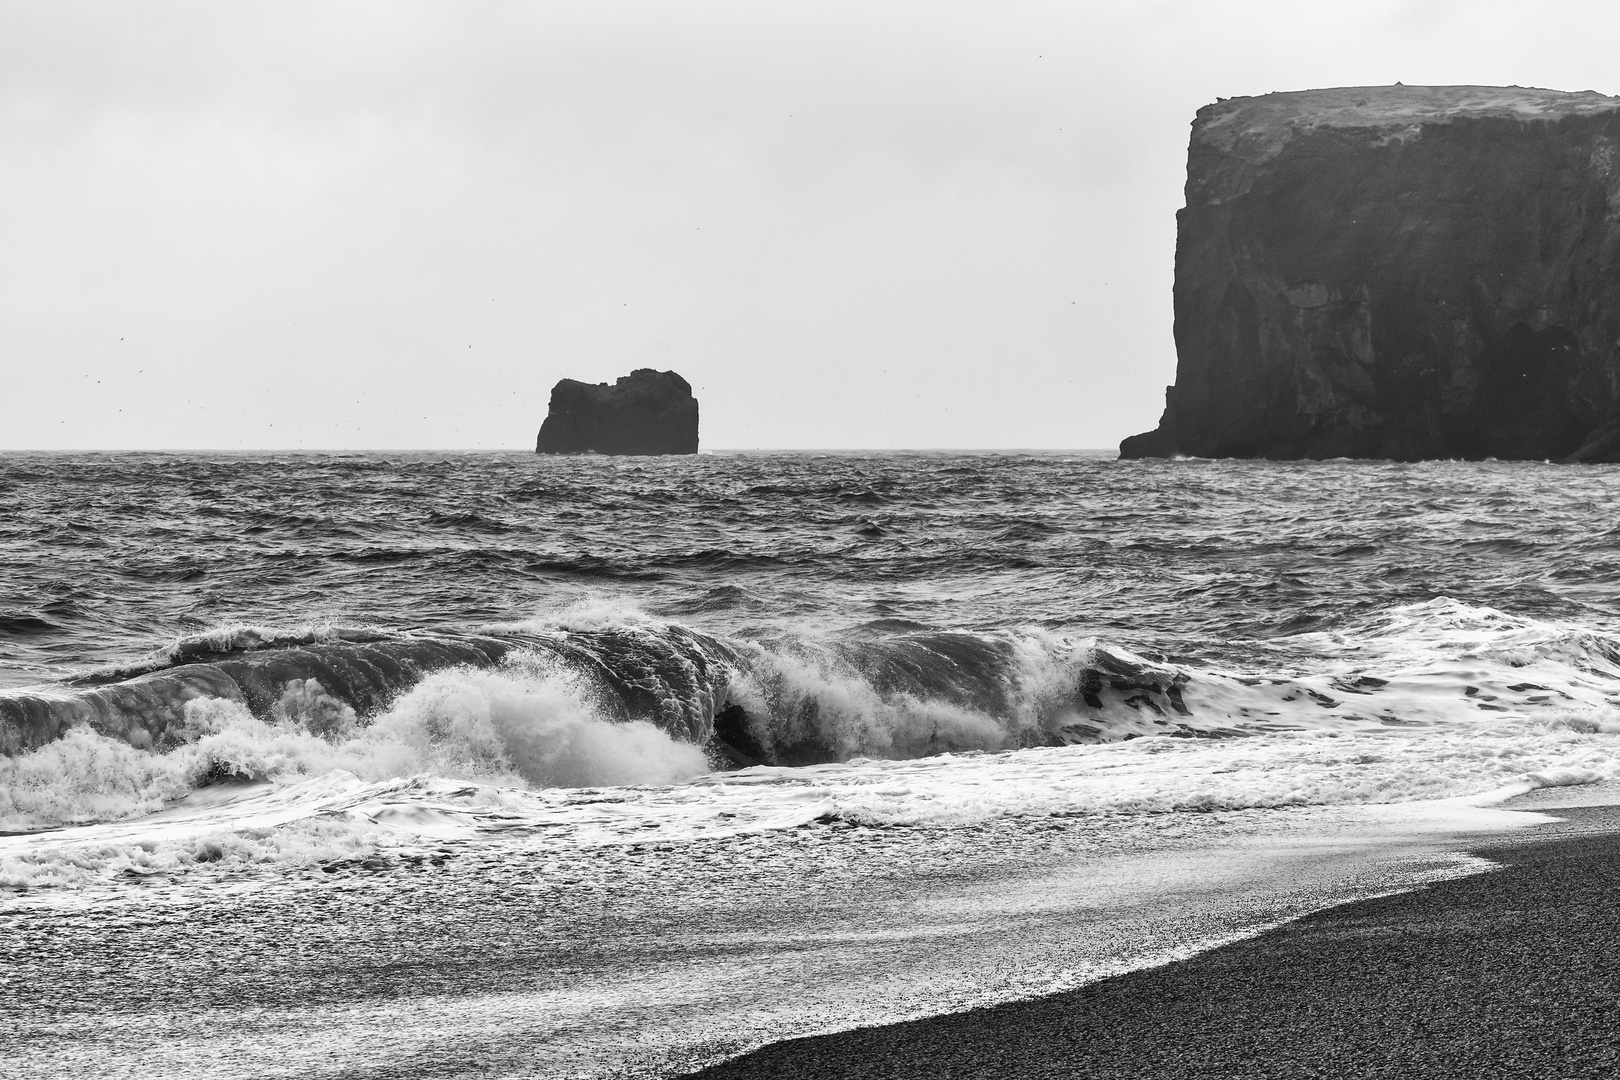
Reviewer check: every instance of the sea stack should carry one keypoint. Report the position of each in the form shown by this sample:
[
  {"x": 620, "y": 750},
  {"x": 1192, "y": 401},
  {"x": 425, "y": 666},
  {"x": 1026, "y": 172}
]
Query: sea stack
[
  {"x": 1401, "y": 272},
  {"x": 644, "y": 412}
]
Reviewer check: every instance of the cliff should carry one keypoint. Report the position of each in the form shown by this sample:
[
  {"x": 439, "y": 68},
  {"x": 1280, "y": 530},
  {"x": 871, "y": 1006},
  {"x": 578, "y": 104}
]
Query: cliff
[
  {"x": 644, "y": 412},
  {"x": 1398, "y": 272}
]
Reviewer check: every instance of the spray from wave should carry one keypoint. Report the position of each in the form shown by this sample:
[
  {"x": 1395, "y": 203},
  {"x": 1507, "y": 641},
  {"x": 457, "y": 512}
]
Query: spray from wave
[
  {"x": 609, "y": 697},
  {"x": 524, "y": 724}
]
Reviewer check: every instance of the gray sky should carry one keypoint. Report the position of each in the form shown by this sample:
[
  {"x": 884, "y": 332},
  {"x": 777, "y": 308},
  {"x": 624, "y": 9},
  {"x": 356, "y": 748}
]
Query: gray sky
[{"x": 849, "y": 224}]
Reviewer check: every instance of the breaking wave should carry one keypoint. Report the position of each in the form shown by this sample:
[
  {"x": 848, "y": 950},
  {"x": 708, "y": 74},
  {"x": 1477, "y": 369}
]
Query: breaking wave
[
  {"x": 523, "y": 724},
  {"x": 611, "y": 697}
]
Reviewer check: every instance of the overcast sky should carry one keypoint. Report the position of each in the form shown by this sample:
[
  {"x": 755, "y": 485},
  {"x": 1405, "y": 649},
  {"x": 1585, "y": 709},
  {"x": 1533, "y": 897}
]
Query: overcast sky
[{"x": 848, "y": 224}]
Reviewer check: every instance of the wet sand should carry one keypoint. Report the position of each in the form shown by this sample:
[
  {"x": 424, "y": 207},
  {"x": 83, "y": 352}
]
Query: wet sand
[{"x": 1513, "y": 972}]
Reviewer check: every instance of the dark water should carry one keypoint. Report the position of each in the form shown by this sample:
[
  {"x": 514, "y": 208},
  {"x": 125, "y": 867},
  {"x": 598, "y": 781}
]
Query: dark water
[
  {"x": 607, "y": 767},
  {"x": 106, "y": 558},
  {"x": 785, "y": 608}
]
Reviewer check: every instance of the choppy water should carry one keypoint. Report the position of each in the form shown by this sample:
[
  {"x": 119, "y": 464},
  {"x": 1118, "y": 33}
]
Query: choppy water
[{"x": 650, "y": 737}]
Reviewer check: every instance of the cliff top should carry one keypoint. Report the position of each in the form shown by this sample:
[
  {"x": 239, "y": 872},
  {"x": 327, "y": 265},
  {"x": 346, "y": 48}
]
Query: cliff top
[
  {"x": 640, "y": 378},
  {"x": 1263, "y": 124}
]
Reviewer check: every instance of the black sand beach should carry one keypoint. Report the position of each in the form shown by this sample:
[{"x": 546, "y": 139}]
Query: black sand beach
[{"x": 1514, "y": 972}]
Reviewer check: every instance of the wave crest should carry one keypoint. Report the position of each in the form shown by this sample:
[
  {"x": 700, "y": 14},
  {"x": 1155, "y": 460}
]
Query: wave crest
[
  {"x": 523, "y": 725},
  {"x": 594, "y": 698}
]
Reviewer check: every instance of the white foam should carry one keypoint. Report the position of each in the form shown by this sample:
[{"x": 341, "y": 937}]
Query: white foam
[
  {"x": 523, "y": 721},
  {"x": 1446, "y": 774},
  {"x": 817, "y": 697},
  {"x": 1466, "y": 703},
  {"x": 586, "y": 613},
  {"x": 85, "y": 776},
  {"x": 524, "y": 724}
]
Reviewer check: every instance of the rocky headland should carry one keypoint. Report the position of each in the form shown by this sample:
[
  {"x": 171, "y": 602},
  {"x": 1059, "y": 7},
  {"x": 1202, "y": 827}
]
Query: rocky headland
[
  {"x": 644, "y": 412},
  {"x": 1398, "y": 272}
]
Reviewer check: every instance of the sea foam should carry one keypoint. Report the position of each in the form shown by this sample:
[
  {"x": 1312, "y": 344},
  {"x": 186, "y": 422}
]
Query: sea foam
[
  {"x": 521, "y": 725},
  {"x": 921, "y": 730}
]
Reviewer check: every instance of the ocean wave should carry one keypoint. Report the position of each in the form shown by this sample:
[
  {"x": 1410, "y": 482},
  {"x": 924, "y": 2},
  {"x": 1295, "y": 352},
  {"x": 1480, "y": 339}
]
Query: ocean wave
[
  {"x": 526, "y": 724},
  {"x": 604, "y": 694},
  {"x": 24, "y": 624},
  {"x": 336, "y": 821}
]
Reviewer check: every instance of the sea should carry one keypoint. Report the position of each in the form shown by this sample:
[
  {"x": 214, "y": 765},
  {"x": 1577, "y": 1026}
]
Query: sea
[{"x": 493, "y": 764}]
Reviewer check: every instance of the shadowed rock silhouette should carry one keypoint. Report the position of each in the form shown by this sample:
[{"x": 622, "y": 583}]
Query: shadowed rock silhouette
[
  {"x": 1401, "y": 272},
  {"x": 644, "y": 412}
]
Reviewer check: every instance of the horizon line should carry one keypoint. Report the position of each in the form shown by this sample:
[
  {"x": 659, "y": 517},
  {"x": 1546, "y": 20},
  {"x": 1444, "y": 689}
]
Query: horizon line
[{"x": 535, "y": 453}]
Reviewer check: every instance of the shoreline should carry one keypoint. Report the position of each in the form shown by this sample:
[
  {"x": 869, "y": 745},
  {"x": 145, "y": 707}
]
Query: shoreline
[{"x": 1509, "y": 972}]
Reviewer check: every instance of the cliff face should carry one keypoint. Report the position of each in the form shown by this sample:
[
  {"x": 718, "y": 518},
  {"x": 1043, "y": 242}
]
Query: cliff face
[
  {"x": 1398, "y": 272},
  {"x": 644, "y": 412}
]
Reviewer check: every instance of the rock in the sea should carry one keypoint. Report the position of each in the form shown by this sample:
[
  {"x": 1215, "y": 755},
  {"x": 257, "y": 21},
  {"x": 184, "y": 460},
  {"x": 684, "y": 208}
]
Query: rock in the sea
[
  {"x": 644, "y": 412},
  {"x": 1398, "y": 272}
]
